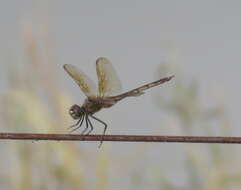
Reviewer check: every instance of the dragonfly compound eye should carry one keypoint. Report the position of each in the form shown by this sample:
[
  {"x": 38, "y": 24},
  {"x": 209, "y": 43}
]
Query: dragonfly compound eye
[{"x": 75, "y": 112}]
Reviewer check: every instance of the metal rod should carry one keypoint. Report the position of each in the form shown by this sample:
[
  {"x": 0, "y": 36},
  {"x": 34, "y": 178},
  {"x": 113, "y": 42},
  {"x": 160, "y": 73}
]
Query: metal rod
[{"x": 127, "y": 138}]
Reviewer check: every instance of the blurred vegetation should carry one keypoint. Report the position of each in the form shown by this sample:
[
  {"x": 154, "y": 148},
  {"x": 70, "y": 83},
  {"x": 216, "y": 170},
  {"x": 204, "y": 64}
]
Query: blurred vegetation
[
  {"x": 209, "y": 167},
  {"x": 35, "y": 101}
]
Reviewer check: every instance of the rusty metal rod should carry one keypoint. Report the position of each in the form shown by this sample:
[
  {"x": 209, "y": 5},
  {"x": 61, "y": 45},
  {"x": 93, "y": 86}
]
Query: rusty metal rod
[{"x": 126, "y": 138}]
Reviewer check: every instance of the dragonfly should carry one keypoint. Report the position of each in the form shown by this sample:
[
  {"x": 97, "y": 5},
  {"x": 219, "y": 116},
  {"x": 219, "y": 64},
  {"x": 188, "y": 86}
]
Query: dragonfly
[{"x": 107, "y": 94}]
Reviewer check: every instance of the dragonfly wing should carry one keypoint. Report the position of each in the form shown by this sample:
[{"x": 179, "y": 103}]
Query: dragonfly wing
[
  {"x": 109, "y": 83},
  {"x": 85, "y": 83}
]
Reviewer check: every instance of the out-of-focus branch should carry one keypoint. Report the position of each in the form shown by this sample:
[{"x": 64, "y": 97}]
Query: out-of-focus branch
[{"x": 123, "y": 138}]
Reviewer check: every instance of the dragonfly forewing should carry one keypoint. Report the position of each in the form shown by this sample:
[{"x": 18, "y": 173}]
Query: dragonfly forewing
[{"x": 87, "y": 86}]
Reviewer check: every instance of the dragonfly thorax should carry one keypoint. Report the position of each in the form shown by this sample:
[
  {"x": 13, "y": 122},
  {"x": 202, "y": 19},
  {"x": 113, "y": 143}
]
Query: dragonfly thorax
[
  {"x": 91, "y": 106},
  {"x": 76, "y": 111}
]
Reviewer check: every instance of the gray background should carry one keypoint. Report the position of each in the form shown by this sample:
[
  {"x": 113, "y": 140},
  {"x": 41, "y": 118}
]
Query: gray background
[{"x": 203, "y": 36}]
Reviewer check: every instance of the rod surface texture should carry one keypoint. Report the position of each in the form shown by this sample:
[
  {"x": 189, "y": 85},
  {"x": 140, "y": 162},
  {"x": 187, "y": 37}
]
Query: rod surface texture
[{"x": 126, "y": 138}]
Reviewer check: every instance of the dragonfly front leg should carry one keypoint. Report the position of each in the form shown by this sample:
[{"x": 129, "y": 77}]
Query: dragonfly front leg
[{"x": 77, "y": 125}]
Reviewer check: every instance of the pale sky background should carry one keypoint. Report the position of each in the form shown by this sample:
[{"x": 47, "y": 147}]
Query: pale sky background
[{"x": 203, "y": 36}]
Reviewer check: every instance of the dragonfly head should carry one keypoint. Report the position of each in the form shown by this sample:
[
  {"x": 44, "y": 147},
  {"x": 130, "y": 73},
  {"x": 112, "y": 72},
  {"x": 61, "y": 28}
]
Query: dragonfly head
[{"x": 76, "y": 112}]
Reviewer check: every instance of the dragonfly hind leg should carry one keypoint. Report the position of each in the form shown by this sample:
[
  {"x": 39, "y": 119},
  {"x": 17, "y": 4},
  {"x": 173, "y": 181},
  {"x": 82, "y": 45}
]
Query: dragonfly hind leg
[
  {"x": 105, "y": 127},
  {"x": 91, "y": 126}
]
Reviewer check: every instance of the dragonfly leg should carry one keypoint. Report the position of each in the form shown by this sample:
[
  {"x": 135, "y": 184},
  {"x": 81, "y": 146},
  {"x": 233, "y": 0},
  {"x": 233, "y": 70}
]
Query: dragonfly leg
[
  {"x": 105, "y": 127},
  {"x": 77, "y": 125},
  {"x": 86, "y": 126},
  {"x": 91, "y": 126}
]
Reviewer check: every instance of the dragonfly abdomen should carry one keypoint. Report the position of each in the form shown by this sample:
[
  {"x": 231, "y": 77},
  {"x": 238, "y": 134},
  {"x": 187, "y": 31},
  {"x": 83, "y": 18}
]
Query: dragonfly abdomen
[{"x": 139, "y": 91}]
